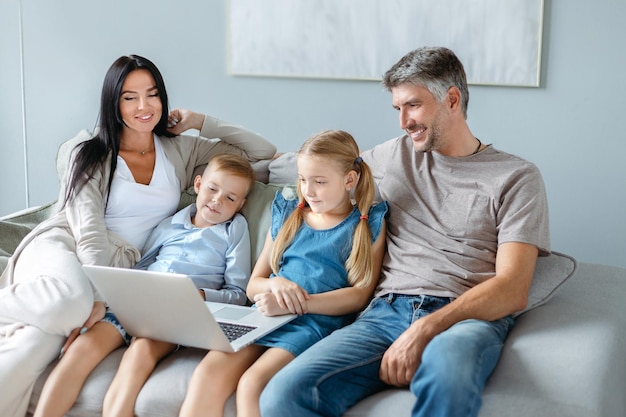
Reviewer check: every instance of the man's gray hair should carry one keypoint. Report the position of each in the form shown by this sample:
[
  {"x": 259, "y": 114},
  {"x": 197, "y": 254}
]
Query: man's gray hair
[{"x": 436, "y": 69}]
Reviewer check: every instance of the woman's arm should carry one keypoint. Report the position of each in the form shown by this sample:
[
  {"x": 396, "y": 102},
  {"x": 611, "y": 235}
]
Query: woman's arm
[
  {"x": 85, "y": 217},
  {"x": 255, "y": 146}
]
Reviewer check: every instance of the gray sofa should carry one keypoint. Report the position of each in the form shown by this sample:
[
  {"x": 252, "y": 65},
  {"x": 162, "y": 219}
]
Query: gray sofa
[{"x": 563, "y": 358}]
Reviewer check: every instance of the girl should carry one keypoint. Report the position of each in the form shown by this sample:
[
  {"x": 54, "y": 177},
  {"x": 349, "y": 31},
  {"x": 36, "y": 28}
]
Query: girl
[
  {"x": 321, "y": 260},
  {"x": 121, "y": 184}
]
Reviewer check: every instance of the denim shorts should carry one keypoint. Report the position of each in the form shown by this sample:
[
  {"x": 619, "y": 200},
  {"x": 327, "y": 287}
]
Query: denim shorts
[{"x": 110, "y": 318}]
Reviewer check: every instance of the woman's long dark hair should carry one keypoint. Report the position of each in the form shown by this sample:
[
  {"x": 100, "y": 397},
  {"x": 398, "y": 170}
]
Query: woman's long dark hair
[{"x": 91, "y": 153}]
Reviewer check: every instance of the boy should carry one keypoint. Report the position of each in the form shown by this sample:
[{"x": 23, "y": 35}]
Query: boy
[{"x": 209, "y": 240}]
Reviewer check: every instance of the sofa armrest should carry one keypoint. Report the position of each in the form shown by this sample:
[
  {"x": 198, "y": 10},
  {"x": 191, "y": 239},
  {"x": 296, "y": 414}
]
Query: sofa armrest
[
  {"x": 15, "y": 226},
  {"x": 566, "y": 357}
]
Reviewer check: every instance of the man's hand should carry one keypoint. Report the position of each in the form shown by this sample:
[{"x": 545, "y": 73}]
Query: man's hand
[
  {"x": 403, "y": 357},
  {"x": 97, "y": 313}
]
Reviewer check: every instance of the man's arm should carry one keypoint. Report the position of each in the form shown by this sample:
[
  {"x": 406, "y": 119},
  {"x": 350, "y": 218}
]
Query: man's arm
[{"x": 504, "y": 294}]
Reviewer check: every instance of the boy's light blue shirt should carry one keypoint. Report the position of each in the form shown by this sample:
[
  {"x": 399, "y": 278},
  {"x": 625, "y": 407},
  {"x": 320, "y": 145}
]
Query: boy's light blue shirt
[{"x": 217, "y": 258}]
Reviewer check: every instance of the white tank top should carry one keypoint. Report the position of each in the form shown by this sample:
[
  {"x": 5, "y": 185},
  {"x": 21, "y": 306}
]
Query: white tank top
[{"x": 133, "y": 209}]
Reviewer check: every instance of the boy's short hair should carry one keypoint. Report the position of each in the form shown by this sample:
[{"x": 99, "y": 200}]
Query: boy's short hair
[{"x": 234, "y": 164}]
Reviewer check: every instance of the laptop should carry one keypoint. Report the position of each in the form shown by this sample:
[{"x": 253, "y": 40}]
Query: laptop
[{"x": 168, "y": 307}]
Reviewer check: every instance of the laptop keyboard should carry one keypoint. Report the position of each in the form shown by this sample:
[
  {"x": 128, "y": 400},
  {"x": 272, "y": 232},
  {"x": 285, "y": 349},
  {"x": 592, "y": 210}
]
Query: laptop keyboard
[{"x": 235, "y": 331}]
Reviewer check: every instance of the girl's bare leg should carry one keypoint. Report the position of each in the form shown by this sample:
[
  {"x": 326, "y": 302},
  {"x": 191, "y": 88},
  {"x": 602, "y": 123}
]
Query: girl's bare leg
[
  {"x": 68, "y": 377},
  {"x": 136, "y": 366},
  {"x": 253, "y": 381},
  {"x": 215, "y": 379}
]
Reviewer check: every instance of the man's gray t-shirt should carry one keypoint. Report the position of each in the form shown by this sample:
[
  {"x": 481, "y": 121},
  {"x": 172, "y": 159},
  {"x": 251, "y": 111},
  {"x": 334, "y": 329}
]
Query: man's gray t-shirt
[{"x": 447, "y": 215}]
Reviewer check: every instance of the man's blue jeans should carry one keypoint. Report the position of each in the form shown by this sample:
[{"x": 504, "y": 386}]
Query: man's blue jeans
[{"x": 337, "y": 372}]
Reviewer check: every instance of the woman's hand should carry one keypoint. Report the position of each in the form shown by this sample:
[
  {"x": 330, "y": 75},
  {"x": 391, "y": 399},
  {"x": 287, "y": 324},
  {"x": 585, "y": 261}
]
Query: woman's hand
[
  {"x": 97, "y": 313},
  {"x": 289, "y": 295},
  {"x": 180, "y": 120}
]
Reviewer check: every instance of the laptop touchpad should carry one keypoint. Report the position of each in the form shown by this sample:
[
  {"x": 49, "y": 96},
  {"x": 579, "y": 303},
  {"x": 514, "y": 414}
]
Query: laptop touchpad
[{"x": 231, "y": 313}]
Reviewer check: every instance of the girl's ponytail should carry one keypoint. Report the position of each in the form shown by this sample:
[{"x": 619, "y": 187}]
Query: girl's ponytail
[{"x": 359, "y": 264}]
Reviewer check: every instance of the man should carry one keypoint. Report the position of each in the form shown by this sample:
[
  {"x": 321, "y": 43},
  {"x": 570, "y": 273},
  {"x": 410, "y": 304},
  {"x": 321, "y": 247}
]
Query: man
[{"x": 466, "y": 224}]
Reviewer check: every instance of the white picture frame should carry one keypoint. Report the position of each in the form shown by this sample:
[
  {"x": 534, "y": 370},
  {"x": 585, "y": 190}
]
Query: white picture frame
[{"x": 498, "y": 41}]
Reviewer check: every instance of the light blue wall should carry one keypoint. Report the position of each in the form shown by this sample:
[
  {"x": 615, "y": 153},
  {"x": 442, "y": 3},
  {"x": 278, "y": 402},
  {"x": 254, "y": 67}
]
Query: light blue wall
[
  {"x": 12, "y": 160},
  {"x": 571, "y": 126}
]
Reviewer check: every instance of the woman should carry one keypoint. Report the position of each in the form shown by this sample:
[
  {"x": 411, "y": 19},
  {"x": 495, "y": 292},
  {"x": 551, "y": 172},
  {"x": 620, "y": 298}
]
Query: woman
[{"x": 121, "y": 184}]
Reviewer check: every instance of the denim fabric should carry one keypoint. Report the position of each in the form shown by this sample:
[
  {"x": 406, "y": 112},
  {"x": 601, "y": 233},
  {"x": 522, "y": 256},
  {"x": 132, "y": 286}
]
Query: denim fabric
[
  {"x": 315, "y": 260},
  {"x": 342, "y": 369},
  {"x": 110, "y": 318}
]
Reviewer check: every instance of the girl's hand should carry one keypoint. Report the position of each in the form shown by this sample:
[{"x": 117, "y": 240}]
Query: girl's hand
[
  {"x": 180, "y": 120},
  {"x": 267, "y": 304},
  {"x": 97, "y": 313},
  {"x": 289, "y": 295}
]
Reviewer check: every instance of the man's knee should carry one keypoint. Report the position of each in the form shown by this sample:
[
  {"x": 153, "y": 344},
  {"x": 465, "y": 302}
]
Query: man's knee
[{"x": 456, "y": 363}]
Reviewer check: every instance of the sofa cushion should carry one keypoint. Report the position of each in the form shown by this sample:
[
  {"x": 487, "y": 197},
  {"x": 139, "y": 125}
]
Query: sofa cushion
[
  {"x": 65, "y": 150},
  {"x": 550, "y": 273},
  {"x": 283, "y": 170},
  {"x": 4, "y": 260}
]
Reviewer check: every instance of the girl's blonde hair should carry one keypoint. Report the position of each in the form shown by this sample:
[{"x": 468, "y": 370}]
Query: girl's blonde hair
[{"x": 340, "y": 148}]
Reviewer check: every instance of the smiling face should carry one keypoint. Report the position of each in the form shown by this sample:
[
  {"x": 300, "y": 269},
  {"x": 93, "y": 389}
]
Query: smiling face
[
  {"x": 221, "y": 195},
  {"x": 324, "y": 186},
  {"x": 421, "y": 116},
  {"x": 140, "y": 104}
]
